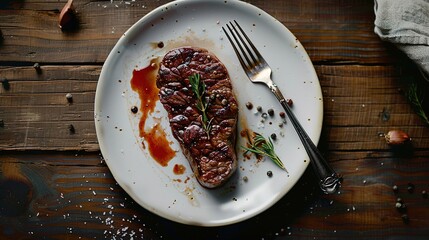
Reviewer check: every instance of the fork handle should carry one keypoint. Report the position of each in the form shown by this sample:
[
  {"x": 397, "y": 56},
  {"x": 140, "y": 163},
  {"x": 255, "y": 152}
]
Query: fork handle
[{"x": 329, "y": 181}]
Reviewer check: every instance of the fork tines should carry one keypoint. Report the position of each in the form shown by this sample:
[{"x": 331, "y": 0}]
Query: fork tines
[{"x": 247, "y": 53}]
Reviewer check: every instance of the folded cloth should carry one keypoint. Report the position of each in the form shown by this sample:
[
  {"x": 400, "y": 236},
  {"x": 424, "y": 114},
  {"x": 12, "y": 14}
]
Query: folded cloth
[{"x": 405, "y": 23}]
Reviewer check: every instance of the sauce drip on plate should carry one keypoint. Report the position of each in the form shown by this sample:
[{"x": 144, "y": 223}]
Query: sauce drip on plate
[
  {"x": 144, "y": 83},
  {"x": 159, "y": 147},
  {"x": 179, "y": 169}
]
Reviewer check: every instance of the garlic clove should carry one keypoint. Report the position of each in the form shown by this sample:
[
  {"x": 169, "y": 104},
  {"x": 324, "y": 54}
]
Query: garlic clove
[
  {"x": 67, "y": 18},
  {"x": 397, "y": 137}
]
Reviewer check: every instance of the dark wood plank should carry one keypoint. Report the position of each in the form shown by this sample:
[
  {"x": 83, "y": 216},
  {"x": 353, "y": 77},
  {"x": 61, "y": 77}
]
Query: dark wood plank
[
  {"x": 72, "y": 195},
  {"x": 361, "y": 103},
  {"x": 37, "y": 114},
  {"x": 331, "y": 31},
  {"x": 69, "y": 192}
]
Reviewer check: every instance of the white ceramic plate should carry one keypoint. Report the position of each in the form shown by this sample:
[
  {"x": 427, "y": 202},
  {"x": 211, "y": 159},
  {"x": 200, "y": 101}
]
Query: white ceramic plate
[{"x": 198, "y": 23}]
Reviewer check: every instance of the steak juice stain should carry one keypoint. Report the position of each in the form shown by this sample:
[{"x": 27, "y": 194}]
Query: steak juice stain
[
  {"x": 144, "y": 83},
  {"x": 179, "y": 169},
  {"x": 159, "y": 147}
]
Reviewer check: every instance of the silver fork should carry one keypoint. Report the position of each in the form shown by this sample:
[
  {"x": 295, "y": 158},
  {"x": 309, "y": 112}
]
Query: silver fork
[{"x": 258, "y": 71}]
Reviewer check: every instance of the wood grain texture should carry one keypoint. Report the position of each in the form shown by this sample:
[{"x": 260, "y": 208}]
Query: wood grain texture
[
  {"x": 72, "y": 195},
  {"x": 54, "y": 184},
  {"x": 330, "y": 31},
  {"x": 36, "y": 113}
]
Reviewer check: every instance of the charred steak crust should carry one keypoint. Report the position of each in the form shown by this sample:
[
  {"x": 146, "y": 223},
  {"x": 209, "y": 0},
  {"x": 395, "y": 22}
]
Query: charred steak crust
[{"x": 212, "y": 159}]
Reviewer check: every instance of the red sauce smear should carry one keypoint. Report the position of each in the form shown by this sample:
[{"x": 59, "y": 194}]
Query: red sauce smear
[
  {"x": 179, "y": 169},
  {"x": 159, "y": 146},
  {"x": 144, "y": 83}
]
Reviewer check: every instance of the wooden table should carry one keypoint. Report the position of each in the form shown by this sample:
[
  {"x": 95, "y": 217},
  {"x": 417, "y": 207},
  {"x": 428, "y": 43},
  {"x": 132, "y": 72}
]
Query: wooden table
[{"x": 54, "y": 183}]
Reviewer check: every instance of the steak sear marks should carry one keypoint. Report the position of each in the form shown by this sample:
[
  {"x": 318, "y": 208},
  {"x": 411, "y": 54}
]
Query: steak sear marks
[{"x": 212, "y": 158}]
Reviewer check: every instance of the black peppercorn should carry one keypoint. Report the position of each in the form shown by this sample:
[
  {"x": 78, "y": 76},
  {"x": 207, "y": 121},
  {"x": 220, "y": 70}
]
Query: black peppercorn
[
  {"x": 405, "y": 218},
  {"x": 69, "y": 97},
  {"x": 249, "y": 105},
  {"x": 270, "y": 112},
  {"x": 269, "y": 174},
  {"x": 273, "y": 136},
  {"x": 282, "y": 114},
  {"x": 134, "y": 109},
  {"x": 5, "y": 84},
  {"x": 398, "y": 205},
  {"x": 71, "y": 129},
  {"x": 259, "y": 108},
  {"x": 37, "y": 67},
  {"x": 410, "y": 188}
]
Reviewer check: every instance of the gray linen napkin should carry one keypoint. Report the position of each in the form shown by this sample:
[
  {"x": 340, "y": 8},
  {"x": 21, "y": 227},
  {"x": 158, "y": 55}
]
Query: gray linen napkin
[{"x": 405, "y": 23}]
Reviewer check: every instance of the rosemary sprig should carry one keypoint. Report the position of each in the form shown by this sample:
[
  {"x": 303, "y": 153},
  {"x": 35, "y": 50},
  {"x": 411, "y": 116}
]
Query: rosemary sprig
[
  {"x": 260, "y": 146},
  {"x": 416, "y": 100},
  {"x": 199, "y": 89}
]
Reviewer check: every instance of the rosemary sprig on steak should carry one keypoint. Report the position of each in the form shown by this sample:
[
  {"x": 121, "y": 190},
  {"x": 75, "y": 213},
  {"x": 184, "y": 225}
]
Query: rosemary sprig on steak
[
  {"x": 199, "y": 89},
  {"x": 261, "y": 146}
]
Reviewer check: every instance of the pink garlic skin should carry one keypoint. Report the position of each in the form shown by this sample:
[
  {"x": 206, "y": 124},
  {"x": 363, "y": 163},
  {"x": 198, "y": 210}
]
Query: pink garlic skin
[
  {"x": 397, "y": 137},
  {"x": 66, "y": 17}
]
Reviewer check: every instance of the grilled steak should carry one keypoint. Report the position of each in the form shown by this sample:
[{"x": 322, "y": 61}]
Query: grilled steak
[{"x": 210, "y": 151}]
